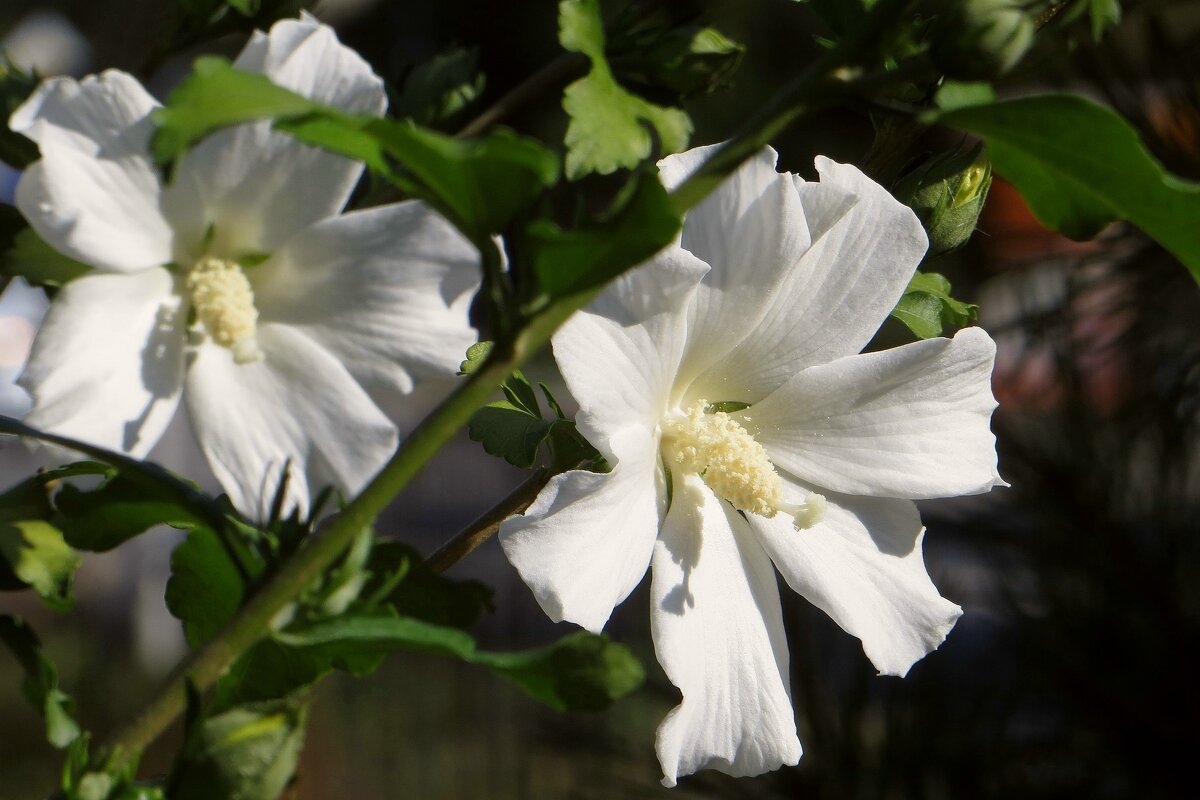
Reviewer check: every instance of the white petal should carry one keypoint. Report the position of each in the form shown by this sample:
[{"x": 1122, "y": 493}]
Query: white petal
[
  {"x": 862, "y": 566},
  {"x": 620, "y": 355},
  {"x": 908, "y": 422},
  {"x": 718, "y": 632},
  {"x": 94, "y": 194},
  {"x": 830, "y": 302},
  {"x": 259, "y": 187},
  {"x": 296, "y": 406},
  {"x": 585, "y": 542},
  {"x": 107, "y": 364},
  {"x": 385, "y": 290},
  {"x": 751, "y": 230}
]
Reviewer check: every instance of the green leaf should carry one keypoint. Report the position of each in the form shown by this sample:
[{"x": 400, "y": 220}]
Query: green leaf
[
  {"x": 215, "y": 95},
  {"x": 509, "y": 432},
  {"x": 247, "y": 8},
  {"x": 583, "y": 258},
  {"x": 581, "y": 671},
  {"x": 162, "y": 485},
  {"x": 246, "y": 753},
  {"x": 26, "y": 255},
  {"x": 16, "y": 85},
  {"x": 1080, "y": 166},
  {"x": 205, "y": 589},
  {"x": 570, "y": 450},
  {"x": 414, "y": 590},
  {"x": 842, "y": 16},
  {"x": 36, "y": 554},
  {"x": 41, "y": 681},
  {"x": 119, "y": 509},
  {"x": 518, "y": 391},
  {"x": 480, "y": 185},
  {"x": 959, "y": 94},
  {"x": 608, "y": 128},
  {"x": 439, "y": 90},
  {"x": 927, "y": 306},
  {"x": 1105, "y": 14},
  {"x": 686, "y": 60}
]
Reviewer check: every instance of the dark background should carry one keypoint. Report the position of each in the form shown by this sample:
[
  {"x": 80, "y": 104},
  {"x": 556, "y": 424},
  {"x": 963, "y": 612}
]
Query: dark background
[{"x": 1070, "y": 674}]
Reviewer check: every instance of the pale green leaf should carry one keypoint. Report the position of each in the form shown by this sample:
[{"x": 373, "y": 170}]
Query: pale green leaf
[
  {"x": 1080, "y": 166},
  {"x": 610, "y": 127}
]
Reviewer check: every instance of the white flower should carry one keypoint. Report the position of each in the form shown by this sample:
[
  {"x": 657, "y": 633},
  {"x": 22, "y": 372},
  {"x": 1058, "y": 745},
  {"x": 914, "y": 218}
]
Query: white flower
[
  {"x": 238, "y": 286},
  {"x": 775, "y": 287}
]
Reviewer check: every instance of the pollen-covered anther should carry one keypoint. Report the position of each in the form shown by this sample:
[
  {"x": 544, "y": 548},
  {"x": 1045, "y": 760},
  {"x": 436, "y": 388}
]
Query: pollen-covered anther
[
  {"x": 224, "y": 303},
  {"x": 733, "y": 464}
]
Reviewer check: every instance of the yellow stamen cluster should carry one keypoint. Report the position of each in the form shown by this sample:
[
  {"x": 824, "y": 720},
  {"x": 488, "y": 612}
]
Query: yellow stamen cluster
[
  {"x": 733, "y": 464},
  {"x": 224, "y": 303}
]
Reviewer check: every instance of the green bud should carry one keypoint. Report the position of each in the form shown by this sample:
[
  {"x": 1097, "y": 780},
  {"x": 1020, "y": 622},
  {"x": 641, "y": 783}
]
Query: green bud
[
  {"x": 947, "y": 193},
  {"x": 246, "y": 753},
  {"x": 686, "y": 60},
  {"x": 95, "y": 786},
  {"x": 980, "y": 39}
]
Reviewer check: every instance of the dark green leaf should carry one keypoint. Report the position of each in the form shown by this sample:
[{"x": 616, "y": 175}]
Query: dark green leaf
[
  {"x": 116, "y": 511},
  {"x": 35, "y": 553},
  {"x": 421, "y": 593},
  {"x": 268, "y": 671},
  {"x": 686, "y": 60},
  {"x": 1105, "y": 14},
  {"x": 570, "y": 450},
  {"x": 163, "y": 485},
  {"x": 247, "y": 8},
  {"x": 842, "y": 16},
  {"x": 518, "y": 391},
  {"x": 577, "y": 260},
  {"x": 41, "y": 681},
  {"x": 205, "y": 589},
  {"x": 479, "y": 184},
  {"x": 608, "y": 128},
  {"x": 28, "y": 256},
  {"x": 1080, "y": 167},
  {"x": 439, "y": 90},
  {"x": 15, "y": 87},
  {"x": 550, "y": 401},
  {"x": 927, "y": 306},
  {"x": 246, "y": 753},
  {"x": 581, "y": 671},
  {"x": 509, "y": 432}
]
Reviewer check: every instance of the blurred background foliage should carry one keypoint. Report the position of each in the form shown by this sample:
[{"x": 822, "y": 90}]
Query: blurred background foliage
[{"x": 1071, "y": 672}]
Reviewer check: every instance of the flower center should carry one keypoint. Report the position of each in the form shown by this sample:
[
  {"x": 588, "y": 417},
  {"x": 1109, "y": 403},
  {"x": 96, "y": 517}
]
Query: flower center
[
  {"x": 224, "y": 302},
  {"x": 733, "y": 464}
]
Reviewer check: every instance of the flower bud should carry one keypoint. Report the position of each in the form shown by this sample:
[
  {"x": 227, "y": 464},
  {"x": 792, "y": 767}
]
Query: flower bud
[
  {"x": 981, "y": 39},
  {"x": 947, "y": 194}
]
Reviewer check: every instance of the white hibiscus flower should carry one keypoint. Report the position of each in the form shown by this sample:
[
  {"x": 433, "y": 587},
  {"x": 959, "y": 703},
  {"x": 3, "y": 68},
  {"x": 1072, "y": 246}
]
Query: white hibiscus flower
[
  {"x": 723, "y": 382},
  {"x": 238, "y": 286}
]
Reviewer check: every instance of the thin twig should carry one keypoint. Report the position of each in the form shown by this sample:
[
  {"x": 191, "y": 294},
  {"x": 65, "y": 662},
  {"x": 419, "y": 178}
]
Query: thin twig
[
  {"x": 488, "y": 523},
  {"x": 551, "y": 76}
]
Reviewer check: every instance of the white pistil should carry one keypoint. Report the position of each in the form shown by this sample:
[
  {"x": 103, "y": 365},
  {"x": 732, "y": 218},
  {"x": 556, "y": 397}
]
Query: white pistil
[
  {"x": 733, "y": 464},
  {"x": 224, "y": 303}
]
